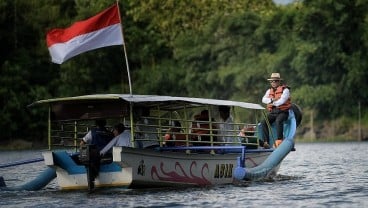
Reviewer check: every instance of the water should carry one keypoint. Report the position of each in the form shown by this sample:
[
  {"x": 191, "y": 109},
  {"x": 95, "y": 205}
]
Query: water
[{"x": 316, "y": 175}]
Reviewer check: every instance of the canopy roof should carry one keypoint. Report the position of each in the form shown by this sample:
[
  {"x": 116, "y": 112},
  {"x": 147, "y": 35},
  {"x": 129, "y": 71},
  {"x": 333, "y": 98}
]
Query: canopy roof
[{"x": 168, "y": 102}]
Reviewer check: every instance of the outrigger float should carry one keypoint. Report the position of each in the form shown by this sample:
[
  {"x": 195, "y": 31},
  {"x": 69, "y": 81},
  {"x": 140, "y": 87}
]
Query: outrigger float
[{"x": 196, "y": 157}]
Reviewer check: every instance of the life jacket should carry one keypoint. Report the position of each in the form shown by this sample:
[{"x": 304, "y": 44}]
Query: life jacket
[
  {"x": 276, "y": 94},
  {"x": 101, "y": 137}
]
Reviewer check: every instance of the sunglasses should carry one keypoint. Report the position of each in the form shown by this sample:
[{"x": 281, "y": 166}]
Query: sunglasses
[{"x": 274, "y": 81}]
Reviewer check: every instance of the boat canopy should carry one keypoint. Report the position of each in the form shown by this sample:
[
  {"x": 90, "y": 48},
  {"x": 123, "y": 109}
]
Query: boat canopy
[
  {"x": 167, "y": 101},
  {"x": 118, "y": 105}
]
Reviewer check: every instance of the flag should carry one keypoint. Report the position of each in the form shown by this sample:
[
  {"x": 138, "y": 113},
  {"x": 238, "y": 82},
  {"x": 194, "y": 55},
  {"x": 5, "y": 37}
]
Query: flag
[{"x": 101, "y": 30}]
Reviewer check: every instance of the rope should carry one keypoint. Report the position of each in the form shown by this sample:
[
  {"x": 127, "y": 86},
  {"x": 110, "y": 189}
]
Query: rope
[
  {"x": 22, "y": 162},
  {"x": 268, "y": 124}
]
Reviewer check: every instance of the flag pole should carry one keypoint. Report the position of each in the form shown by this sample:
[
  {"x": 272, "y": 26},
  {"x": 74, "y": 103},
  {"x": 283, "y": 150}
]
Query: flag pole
[{"x": 125, "y": 53}]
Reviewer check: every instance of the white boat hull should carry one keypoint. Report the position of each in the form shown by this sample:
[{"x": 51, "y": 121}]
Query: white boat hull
[
  {"x": 152, "y": 168},
  {"x": 145, "y": 168}
]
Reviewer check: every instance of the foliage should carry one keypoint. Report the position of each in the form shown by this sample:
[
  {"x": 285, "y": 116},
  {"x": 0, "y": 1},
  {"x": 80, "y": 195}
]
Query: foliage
[{"x": 200, "y": 48}]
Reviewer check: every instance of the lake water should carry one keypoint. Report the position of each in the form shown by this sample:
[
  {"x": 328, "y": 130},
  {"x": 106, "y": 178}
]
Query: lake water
[{"x": 315, "y": 175}]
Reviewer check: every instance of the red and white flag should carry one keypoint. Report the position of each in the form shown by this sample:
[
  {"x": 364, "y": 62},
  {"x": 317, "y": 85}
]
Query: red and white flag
[{"x": 101, "y": 30}]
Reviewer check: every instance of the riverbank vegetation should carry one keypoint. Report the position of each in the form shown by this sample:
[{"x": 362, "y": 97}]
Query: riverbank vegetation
[{"x": 213, "y": 49}]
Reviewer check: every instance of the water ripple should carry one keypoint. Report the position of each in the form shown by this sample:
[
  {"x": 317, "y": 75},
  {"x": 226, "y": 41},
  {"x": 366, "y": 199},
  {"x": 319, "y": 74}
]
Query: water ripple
[{"x": 316, "y": 175}]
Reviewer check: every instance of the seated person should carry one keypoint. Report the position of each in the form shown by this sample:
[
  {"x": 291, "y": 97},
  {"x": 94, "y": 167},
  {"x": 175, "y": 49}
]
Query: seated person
[
  {"x": 203, "y": 128},
  {"x": 174, "y": 134},
  {"x": 247, "y": 135},
  {"x": 245, "y": 131},
  {"x": 226, "y": 128},
  {"x": 146, "y": 131},
  {"x": 278, "y": 101},
  {"x": 122, "y": 138}
]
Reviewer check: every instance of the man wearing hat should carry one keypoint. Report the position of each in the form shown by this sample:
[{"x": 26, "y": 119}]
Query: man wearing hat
[{"x": 278, "y": 103}]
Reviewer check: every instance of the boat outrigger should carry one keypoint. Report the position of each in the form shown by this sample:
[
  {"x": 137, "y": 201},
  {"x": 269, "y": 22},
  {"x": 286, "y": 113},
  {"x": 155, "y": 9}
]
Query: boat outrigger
[{"x": 196, "y": 155}]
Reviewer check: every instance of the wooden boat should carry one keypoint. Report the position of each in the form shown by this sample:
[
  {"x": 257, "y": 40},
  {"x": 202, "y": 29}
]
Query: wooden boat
[{"x": 202, "y": 159}]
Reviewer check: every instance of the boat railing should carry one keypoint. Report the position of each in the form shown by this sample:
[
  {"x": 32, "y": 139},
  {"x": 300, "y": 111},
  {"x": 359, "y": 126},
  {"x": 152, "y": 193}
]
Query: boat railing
[
  {"x": 68, "y": 134},
  {"x": 192, "y": 135}
]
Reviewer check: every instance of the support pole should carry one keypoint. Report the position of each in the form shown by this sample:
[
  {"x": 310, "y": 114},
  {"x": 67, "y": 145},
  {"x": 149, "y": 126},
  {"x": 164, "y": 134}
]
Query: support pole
[
  {"x": 49, "y": 128},
  {"x": 125, "y": 53},
  {"x": 359, "y": 123}
]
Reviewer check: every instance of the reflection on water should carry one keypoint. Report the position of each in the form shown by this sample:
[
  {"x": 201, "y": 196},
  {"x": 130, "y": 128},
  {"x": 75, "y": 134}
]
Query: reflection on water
[{"x": 316, "y": 175}]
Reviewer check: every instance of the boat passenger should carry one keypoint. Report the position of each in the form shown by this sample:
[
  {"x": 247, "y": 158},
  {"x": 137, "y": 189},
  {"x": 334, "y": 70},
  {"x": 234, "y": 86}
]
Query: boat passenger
[
  {"x": 147, "y": 136},
  {"x": 247, "y": 136},
  {"x": 278, "y": 103},
  {"x": 201, "y": 129},
  {"x": 226, "y": 127},
  {"x": 246, "y": 131},
  {"x": 174, "y": 134},
  {"x": 98, "y": 138},
  {"x": 122, "y": 138}
]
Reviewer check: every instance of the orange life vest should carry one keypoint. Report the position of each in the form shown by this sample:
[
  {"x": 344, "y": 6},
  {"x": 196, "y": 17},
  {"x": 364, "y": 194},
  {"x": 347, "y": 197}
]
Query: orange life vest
[{"x": 276, "y": 94}]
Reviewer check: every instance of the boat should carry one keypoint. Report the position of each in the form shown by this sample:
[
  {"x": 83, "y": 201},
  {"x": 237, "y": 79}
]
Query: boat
[{"x": 194, "y": 156}]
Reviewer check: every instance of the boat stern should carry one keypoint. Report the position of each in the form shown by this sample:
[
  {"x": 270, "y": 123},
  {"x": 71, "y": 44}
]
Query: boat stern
[{"x": 72, "y": 176}]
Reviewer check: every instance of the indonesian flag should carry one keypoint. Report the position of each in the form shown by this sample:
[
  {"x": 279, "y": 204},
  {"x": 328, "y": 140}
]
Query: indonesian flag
[{"x": 99, "y": 31}]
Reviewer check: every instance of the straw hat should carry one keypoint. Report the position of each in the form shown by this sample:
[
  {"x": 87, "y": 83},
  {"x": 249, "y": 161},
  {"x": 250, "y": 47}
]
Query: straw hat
[{"x": 275, "y": 76}]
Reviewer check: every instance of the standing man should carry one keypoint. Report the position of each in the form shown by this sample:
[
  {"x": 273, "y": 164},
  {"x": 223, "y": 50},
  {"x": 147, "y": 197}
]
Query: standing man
[
  {"x": 97, "y": 138},
  {"x": 278, "y": 103}
]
